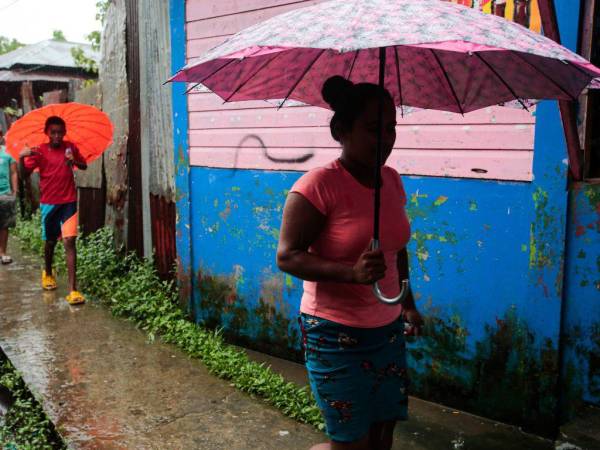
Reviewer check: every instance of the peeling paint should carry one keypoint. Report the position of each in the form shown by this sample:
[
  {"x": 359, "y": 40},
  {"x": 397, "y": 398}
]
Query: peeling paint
[{"x": 440, "y": 200}]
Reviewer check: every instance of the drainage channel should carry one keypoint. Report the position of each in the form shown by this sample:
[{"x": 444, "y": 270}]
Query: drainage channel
[{"x": 23, "y": 422}]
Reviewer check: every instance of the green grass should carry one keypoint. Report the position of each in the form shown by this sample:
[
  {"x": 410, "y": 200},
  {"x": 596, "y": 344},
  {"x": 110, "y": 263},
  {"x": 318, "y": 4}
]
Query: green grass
[
  {"x": 130, "y": 288},
  {"x": 25, "y": 426}
]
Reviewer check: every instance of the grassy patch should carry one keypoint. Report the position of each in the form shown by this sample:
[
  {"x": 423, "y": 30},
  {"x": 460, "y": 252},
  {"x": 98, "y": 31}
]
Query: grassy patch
[
  {"x": 25, "y": 425},
  {"x": 131, "y": 288}
]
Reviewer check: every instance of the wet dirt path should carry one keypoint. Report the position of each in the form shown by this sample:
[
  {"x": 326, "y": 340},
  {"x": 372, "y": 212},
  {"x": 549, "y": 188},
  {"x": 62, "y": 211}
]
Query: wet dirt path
[{"x": 105, "y": 386}]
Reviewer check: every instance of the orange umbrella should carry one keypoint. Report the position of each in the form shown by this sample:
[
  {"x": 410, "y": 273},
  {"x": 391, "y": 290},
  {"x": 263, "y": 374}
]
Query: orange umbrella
[{"x": 87, "y": 127}]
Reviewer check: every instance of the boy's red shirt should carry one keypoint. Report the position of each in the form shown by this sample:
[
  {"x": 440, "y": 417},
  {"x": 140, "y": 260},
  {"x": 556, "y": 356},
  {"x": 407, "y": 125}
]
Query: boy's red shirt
[{"x": 57, "y": 183}]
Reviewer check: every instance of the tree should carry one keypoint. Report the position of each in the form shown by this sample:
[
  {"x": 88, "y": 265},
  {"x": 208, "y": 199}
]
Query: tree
[
  {"x": 8, "y": 45},
  {"x": 58, "y": 35},
  {"x": 81, "y": 60}
]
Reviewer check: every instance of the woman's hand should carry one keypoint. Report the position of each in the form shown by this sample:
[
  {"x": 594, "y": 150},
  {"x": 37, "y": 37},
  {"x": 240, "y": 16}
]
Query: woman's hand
[
  {"x": 415, "y": 322},
  {"x": 370, "y": 267}
]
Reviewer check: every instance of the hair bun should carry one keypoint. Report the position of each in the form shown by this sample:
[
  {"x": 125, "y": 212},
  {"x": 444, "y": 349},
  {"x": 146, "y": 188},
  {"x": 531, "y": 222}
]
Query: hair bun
[{"x": 335, "y": 89}]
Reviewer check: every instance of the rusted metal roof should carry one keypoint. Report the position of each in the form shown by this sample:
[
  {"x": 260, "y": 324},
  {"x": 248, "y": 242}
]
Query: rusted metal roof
[{"x": 49, "y": 53}]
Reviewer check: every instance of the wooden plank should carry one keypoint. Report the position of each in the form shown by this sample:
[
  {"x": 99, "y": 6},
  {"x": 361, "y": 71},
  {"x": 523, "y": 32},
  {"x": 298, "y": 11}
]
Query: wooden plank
[
  {"x": 489, "y": 164},
  {"x": 115, "y": 101},
  {"x": 584, "y": 117},
  {"x": 209, "y": 102},
  {"x": 225, "y": 25},
  {"x": 202, "y": 10},
  {"x": 446, "y": 137},
  {"x": 269, "y": 117}
]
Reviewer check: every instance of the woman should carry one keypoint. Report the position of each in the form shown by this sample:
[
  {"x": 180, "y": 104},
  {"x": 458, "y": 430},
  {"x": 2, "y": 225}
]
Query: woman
[{"x": 355, "y": 350}]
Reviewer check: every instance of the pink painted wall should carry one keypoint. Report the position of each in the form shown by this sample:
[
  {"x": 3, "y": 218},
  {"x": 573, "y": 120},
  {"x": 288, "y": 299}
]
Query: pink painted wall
[{"x": 494, "y": 143}]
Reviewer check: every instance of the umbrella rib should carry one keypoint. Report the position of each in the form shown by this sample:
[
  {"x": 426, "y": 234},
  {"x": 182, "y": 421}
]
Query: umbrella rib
[
  {"x": 545, "y": 76},
  {"x": 301, "y": 77},
  {"x": 489, "y": 66},
  {"x": 210, "y": 75},
  {"x": 252, "y": 76},
  {"x": 349, "y": 77},
  {"x": 448, "y": 81},
  {"x": 399, "y": 82}
]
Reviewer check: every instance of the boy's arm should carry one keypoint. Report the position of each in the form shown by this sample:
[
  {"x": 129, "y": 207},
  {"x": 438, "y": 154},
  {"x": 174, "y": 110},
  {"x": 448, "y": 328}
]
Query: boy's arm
[
  {"x": 78, "y": 160},
  {"x": 28, "y": 161}
]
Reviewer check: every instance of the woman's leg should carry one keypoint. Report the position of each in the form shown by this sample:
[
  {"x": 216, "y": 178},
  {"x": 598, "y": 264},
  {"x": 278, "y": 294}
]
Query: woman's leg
[
  {"x": 381, "y": 435},
  {"x": 362, "y": 444},
  {"x": 3, "y": 240}
]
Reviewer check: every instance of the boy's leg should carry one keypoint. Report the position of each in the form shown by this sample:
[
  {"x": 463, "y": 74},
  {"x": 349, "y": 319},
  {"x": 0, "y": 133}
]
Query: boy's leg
[
  {"x": 49, "y": 247},
  {"x": 71, "y": 259},
  {"x": 50, "y": 234},
  {"x": 69, "y": 233}
]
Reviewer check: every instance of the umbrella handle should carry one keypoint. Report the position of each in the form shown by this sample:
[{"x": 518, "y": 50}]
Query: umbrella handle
[{"x": 404, "y": 287}]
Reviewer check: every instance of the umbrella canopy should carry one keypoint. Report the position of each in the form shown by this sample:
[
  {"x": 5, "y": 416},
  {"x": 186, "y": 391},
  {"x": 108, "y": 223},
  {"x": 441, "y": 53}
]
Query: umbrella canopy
[
  {"x": 87, "y": 127},
  {"x": 439, "y": 55}
]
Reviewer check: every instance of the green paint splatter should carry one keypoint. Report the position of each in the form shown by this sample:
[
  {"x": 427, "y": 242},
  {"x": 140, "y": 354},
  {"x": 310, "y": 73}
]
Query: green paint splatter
[
  {"x": 414, "y": 198},
  {"x": 289, "y": 281},
  {"x": 236, "y": 189},
  {"x": 524, "y": 248},
  {"x": 440, "y": 200},
  {"x": 542, "y": 233},
  {"x": 592, "y": 192},
  {"x": 422, "y": 239},
  {"x": 472, "y": 205}
]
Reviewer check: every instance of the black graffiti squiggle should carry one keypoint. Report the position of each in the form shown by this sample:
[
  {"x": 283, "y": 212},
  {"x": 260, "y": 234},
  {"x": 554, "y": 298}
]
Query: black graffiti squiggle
[{"x": 296, "y": 160}]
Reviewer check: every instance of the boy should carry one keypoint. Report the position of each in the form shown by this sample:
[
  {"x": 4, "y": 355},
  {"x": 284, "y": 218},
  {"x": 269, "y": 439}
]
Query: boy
[
  {"x": 8, "y": 193},
  {"x": 58, "y": 199}
]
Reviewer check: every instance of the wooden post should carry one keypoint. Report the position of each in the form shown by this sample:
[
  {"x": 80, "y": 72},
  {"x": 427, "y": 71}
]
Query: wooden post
[
  {"x": 135, "y": 228},
  {"x": 568, "y": 110},
  {"x": 27, "y": 99}
]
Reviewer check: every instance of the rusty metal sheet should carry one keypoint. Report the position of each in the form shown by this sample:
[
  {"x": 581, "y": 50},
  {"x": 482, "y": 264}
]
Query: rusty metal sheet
[
  {"x": 115, "y": 102},
  {"x": 163, "y": 235},
  {"x": 155, "y": 101},
  {"x": 92, "y": 208},
  {"x": 156, "y": 124}
]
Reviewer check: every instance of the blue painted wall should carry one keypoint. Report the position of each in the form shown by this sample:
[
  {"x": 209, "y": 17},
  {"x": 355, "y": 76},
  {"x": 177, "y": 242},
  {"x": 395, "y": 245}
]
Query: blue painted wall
[
  {"x": 181, "y": 156},
  {"x": 582, "y": 295},
  {"x": 487, "y": 264}
]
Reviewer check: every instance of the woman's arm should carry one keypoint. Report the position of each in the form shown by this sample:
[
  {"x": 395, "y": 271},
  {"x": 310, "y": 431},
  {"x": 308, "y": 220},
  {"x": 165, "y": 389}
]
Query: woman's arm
[
  {"x": 301, "y": 225},
  {"x": 14, "y": 178}
]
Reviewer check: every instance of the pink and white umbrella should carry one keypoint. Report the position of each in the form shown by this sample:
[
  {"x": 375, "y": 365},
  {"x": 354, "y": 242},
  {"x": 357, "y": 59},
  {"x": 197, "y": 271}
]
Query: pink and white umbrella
[
  {"x": 429, "y": 54},
  {"x": 439, "y": 55}
]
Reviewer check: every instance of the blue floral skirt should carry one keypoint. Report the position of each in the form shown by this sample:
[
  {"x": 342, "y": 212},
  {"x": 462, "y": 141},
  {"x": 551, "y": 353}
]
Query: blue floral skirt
[{"x": 358, "y": 375}]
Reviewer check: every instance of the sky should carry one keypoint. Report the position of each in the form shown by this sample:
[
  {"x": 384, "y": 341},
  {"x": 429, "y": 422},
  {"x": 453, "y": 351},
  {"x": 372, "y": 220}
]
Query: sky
[{"x": 31, "y": 21}]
